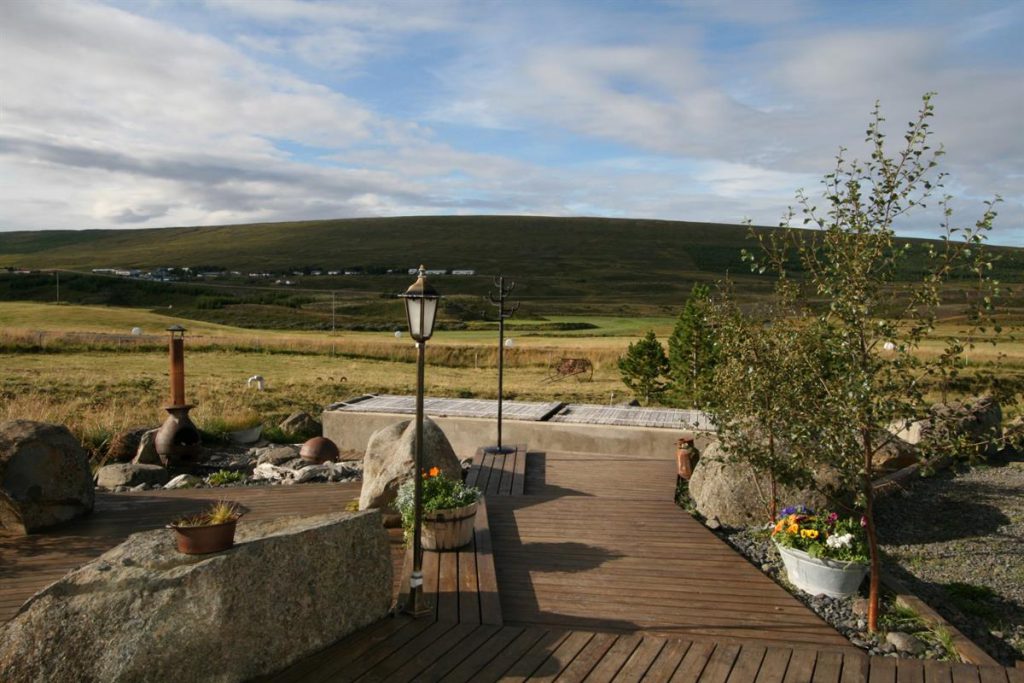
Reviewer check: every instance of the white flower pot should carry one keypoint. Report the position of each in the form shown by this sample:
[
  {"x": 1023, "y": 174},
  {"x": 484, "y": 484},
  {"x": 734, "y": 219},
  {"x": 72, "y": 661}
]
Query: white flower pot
[{"x": 820, "y": 576}]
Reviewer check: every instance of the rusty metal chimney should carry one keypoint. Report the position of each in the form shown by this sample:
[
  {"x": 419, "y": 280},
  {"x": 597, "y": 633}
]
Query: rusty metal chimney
[{"x": 178, "y": 439}]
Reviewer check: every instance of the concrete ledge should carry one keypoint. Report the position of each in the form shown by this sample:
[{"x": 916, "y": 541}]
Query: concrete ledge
[{"x": 351, "y": 431}]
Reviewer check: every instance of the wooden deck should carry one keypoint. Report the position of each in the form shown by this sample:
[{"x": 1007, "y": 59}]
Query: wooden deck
[{"x": 582, "y": 568}]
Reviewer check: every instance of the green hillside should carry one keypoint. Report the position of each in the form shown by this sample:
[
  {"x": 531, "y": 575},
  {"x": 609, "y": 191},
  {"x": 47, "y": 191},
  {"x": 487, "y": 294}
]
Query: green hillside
[{"x": 562, "y": 265}]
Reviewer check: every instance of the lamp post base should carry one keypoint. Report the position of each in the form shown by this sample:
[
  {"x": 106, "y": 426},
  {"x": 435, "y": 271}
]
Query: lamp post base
[
  {"x": 417, "y": 606},
  {"x": 499, "y": 450}
]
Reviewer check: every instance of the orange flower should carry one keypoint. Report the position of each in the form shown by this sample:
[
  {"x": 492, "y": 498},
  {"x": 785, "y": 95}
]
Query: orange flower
[
  {"x": 793, "y": 528},
  {"x": 434, "y": 471},
  {"x": 778, "y": 527}
]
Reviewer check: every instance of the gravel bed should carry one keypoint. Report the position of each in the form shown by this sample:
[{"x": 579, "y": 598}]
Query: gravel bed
[
  {"x": 956, "y": 539},
  {"x": 846, "y": 615}
]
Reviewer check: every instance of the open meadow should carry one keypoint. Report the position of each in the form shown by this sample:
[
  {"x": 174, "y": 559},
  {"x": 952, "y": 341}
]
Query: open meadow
[{"x": 81, "y": 366}]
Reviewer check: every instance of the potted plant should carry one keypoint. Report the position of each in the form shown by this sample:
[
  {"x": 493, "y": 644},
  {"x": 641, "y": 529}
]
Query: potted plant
[
  {"x": 449, "y": 510},
  {"x": 210, "y": 531},
  {"x": 824, "y": 553}
]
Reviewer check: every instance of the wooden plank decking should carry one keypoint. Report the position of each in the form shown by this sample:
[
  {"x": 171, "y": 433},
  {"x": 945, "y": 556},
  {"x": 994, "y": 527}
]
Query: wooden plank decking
[{"x": 600, "y": 577}]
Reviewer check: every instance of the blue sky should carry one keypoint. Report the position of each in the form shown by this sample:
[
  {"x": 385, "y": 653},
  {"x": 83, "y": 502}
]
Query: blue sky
[{"x": 151, "y": 113}]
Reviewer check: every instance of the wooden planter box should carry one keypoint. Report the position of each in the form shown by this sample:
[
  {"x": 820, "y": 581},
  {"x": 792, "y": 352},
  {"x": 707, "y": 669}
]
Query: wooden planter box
[{"x": 448, "y": 529}]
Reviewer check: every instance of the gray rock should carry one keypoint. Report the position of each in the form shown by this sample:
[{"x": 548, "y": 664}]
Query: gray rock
[
  {"x": 44, "y": 476},
  {"x": 860, "y": 607},
  {"x": 124, "y": 445},
  {"x": 713, "y": 523},
  {"x": 184, "y": 481},
  {"x": 391, "y": 456},
  {"x": 730, "y": 491},
  {"x": 904, "y": 642},
  {"x": 276, "y": 455},
  {"x": 112, "y": 476},
  {"x": 300, "y": 423},
  {"x": 146, "y": 453},
  {"x": 144, "y": 612}
]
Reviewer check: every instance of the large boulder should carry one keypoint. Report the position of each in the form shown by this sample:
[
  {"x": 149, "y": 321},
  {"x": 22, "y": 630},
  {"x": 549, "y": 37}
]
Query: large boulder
[
  {"x": 145, "y": 612},
  {"x": 44, "y": 476},
  {"x": 126, "y": 474},
  {"x": 731, "y": 492},
  {"x": 391, "y": 458},
  {"x": 894, "y": 454}
]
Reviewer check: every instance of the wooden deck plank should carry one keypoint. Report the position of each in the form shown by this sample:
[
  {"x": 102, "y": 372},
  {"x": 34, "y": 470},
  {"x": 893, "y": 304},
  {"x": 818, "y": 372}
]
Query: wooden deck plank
[
  {"x": 801, "y": 667},
  {"x": 486, "y": 653},
  {"x": 497, "y": 462},
  {"x": 410, "y": 667},
  {"x": 614, "y": 659},
  {"x": 693, "y": 663},
  {"x": 937, "y": 672},
  {"x": 667, "y": 661},
  {"x": 525, "y": 665},
  {"x": 748, "y": 663},
  {"x": 469, "y": 645},
  {"x": 501, "y": 660},
  {"x": 448, "y": 586},
  {"x": 352, "y": 668},
  {"x": 508, "y": 472},
  {"x": 561, "y": 658},
  {"x": 587, "y": 658},
  {"x": 774, "y": 665},
  {"x": 965, "y": 673},
  {"x": 827, "y": 667},
  {"x": 469, "y": 587},
  {"x": 384, "y": 667},
  {"x": 991, "y": 674},
  {"x": 490, "y": 601},
  {"x": 855, "y": 667},
  {"x": 720, "y": 664},
  {"x": 641, "y": 659},
  {"x": 910, "y": 671},
  {"x": 519, "y": 480},
  {"x": 882, "y": 670}
]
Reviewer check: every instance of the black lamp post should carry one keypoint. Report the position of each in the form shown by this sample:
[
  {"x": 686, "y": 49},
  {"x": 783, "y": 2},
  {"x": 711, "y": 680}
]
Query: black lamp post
[
  {"x": 421, "y": 310},
  {"x": 504, "y": 312}
]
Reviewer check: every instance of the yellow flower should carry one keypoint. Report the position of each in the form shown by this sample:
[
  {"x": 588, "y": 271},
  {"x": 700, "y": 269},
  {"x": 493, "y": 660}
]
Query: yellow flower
[
  {"x": 793, "y": 528},
  {"x": 809, "y": 533}
]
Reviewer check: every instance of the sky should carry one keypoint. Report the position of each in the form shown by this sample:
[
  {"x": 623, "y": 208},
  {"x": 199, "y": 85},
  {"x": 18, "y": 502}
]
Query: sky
[{"x": 145, "y": 113}]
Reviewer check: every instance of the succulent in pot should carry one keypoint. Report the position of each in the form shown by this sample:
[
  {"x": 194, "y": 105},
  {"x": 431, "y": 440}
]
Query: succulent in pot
[{"x": 210, "y": 531}]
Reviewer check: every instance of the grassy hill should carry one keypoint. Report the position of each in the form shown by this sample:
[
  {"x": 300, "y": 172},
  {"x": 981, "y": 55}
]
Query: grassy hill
[{"x": 562, "y": 265}]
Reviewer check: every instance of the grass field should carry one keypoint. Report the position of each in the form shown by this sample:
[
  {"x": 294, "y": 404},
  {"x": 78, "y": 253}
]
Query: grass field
[{"x": 79, "y": 365}]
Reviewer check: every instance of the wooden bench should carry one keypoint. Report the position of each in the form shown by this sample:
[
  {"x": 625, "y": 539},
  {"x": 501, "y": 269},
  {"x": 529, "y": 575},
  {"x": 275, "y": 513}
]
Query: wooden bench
[
  {"x": 499, "y": 474},
  {"x": 461, "y": 585}
]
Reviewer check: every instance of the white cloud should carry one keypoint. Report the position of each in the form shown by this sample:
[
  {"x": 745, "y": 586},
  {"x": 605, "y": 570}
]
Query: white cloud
[{"x": 276, "y": 110}]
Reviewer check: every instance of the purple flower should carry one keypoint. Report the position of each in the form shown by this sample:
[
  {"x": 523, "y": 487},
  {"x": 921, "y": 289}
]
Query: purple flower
[{"x": 796, "y": 510}]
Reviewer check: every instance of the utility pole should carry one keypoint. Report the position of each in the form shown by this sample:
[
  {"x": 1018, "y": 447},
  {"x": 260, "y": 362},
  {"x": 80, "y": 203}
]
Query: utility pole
[{"x": 503, "y": 314}]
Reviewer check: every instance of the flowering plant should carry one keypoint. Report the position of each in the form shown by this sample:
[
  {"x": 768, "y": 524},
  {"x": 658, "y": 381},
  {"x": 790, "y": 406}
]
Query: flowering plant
[
  {"x": 825, "y": 535},
  {"x": 440, "y": 492}
]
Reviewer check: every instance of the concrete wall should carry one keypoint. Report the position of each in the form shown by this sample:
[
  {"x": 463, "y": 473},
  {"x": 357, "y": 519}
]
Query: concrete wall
[{"x": 352, "y": 430}]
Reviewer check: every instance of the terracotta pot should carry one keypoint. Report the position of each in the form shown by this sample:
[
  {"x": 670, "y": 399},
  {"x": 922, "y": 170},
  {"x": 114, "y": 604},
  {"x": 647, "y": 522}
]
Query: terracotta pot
[
  {"x": 687, "y": 456},
  {"x": 448, "y": 529},
  {"x": 200, "y": 540}
]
